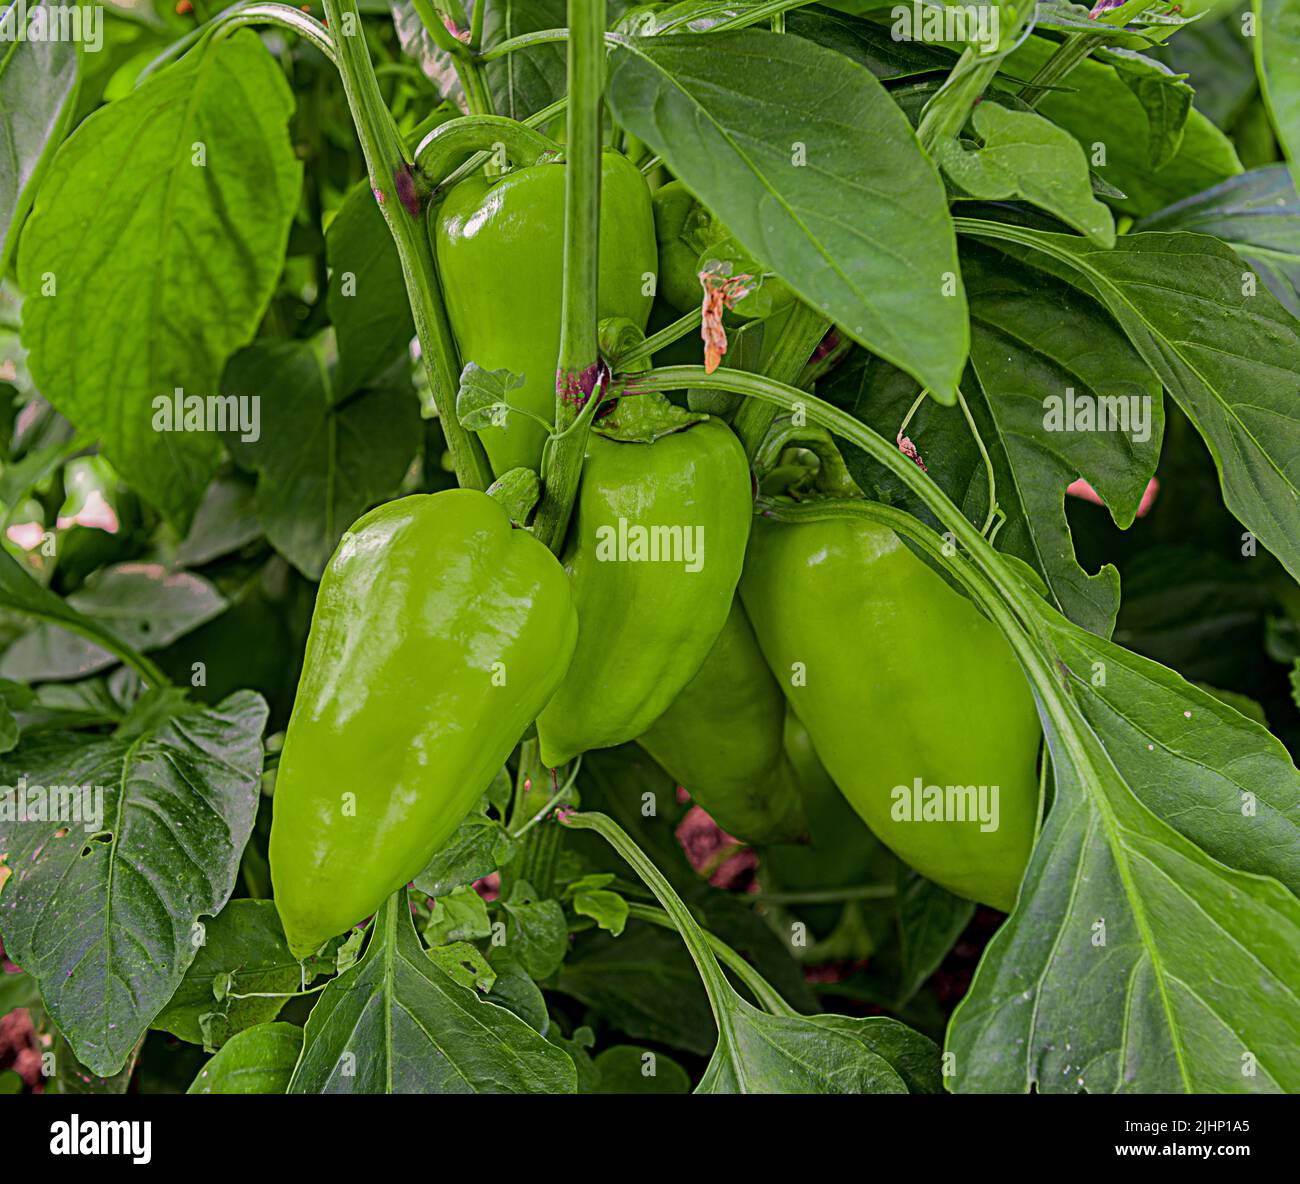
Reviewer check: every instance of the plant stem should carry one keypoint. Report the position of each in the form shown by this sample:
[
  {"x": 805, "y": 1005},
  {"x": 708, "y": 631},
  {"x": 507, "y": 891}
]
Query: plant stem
[
  {"x": 237, "y": 16},
  {"x": 802, "y": 334},
  {"x": 386, "y": 161},
  {"x": 656, "y": 341},
  {"x": 715, "y": 982},
  {"x": 523, "y": 41},
  {"x": 577, "y": 372},
  {"x": 1072, "y": 51},
  {"x": 447, "y": 143},
  {"x": 586, "y": 85},
  {"x": 768, "y": 997},
  {"x": 827, "y": 896}
]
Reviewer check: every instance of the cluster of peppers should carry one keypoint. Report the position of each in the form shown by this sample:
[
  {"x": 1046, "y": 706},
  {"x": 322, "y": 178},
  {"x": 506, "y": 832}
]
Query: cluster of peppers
[{"x": 442, "y": 630}]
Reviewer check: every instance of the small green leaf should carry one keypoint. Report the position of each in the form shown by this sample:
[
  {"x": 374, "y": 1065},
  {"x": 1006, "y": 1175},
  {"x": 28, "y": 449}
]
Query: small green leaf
[
  {"x": 483, "y": 399},
  {"x": 462, "y": 916},
  {"x": 628, "y": 1069},
  {"x": 465, "y": 964},
  {"x": 607, "y": 909},
  {"x": 1027, "y": 156},
  {"x": 537, "y": 932}
]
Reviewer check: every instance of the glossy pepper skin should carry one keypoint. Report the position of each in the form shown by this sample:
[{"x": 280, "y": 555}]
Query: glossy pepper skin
[
  {"x": 438, "y": 635},
  {"x": 903, "y": 679},
  {"x": 721, "y": 740},
  {"x": 646, "y": 625},
  {"x": 500, "y": 249}
]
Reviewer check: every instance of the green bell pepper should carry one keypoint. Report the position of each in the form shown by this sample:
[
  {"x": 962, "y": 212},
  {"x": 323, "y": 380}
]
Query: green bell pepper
[
  {"x": 499, "y": 243},
  {"x": 654, "y": 553},
  {"x": 722, "y": 740},
  {"x": 914, "y": 701},
  {"x": 438, "y": 635}
]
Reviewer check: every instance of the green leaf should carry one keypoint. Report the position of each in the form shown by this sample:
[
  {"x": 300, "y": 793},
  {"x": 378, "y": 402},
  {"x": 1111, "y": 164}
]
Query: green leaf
[
  {"x": 1164, "y": 95},
  {"x": 515, "y": 990},
  {"x": 479, "y": 847},
  {"x": 17, "y": 989},
  {"x": 38, "y": 89},
  {"x": 629, "y": 1069},
  {"x": 644, "y": 984},
  {"x": 1027, "y": 156},
  {"x": 142, "y": 605},
  {"x": 145, "y": 266},
  {"x": 466, "y": 965},
  {"x": 1277, "y": 61},
  {"x": 1258, "y": 215},
  {"x": 579, "y": 1049},
  {"x": 225, "y": 521},
  {"x": 396, "y": 1023},
  {"x": 462, "y": 916},
  {"x": 1116, "y": 132},
  {"x": 1141, "y": 959},
  {"x": 320, "y": 462},
  {"x": 20, "y": 592},
  {"x": 242, "y": 952},
  {"x": 777, "y": 1054},
  {"x": 259, "y": 1060},
  {"x": 483, "y": 400},
  {"x": 607, "y": 909},
  {"x": 1036, "y": 346},
  {"x": 368, "y": 305},
  {"x": 870, "y": 45},
  {"x": 1231, "y": 360},
  {"x": 536, "y": 933},
  {"x": 102, "y": 902},
  {"x": 915, "y": 1058},
  {"x": 815, "y": 170},
  {"x": 524, "y": 82},
  {"x": 930, "y": 920}
]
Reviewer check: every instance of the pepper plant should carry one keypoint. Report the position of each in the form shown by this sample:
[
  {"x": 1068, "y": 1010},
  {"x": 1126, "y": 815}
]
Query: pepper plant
[{"x": 733, "y": 546}]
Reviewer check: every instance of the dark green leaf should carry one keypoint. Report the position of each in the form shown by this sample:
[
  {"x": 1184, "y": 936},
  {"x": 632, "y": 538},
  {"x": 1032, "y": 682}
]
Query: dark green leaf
[
  {"x": 627, "y": 1069},
  {"x": 101, "y": 906},
  {"x": 367, "y": 298},
  {"x": 1258, "y": 215},
  {"x": 242, "y": 952},
  {"x": 396, "y": 1023},
  {"x": 320, "y": 463},
  {"x": 143, "y": 605},
  {"x": 805, "y": 157}
]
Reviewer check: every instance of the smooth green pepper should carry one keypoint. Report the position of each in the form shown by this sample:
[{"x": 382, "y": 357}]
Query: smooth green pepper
[
  {"x": 721, "y": 740},
  {"x": 904, "y": 687},
  {"x": 654, "y": 553},
  {"x": 500, "y": 250},
  {"x": 438, "y": 635}
]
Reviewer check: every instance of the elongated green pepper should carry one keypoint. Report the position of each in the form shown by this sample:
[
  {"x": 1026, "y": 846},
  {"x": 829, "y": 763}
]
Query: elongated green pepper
[
  {"x": 914, "y": 701},
  {"x": 438, "y": 635},
  {"x": 500, "y": 250},
  {"x": 654, "y": 553},
  {"x": 722, "y": 740}
]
